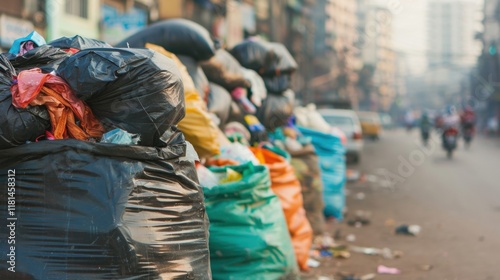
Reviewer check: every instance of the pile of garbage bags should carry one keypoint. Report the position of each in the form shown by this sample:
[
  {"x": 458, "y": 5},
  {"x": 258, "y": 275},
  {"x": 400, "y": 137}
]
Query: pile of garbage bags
[
  {"x": 90, "y": 204},
  {"x": 163, "y": 158}
]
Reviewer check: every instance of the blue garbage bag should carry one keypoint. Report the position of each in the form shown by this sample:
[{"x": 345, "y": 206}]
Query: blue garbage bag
[
  {"x": 33, "y": 36},
  {"x": 331, "y": 155}
]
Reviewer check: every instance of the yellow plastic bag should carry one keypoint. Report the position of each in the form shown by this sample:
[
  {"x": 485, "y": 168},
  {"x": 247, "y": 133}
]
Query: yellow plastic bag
[{"x": 197, "y": 126}]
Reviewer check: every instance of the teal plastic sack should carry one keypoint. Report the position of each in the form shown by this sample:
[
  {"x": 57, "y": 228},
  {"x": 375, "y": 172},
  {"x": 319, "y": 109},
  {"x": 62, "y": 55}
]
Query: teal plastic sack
[
  {"x": 331, "y": 154},
  {"x": 249, "y": 237}
]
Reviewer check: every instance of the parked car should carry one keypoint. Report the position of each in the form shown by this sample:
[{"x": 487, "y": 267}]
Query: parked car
[
  {"x": 347, "y": 121},
  {"x": 370, "y": 124}
]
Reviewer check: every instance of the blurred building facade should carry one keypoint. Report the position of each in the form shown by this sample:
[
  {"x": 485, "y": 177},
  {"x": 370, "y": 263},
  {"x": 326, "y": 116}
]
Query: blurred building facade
[
  {"x": 452, "y": 49},
  {"x": 377, "y": 54},
  {"x": 18, "y": 18},
  {"x": 336, "y": 59},
  {"x": 486, "y": 82},
  {"x": 453, "y": 25},
  {"x": 332, "y": 40}
]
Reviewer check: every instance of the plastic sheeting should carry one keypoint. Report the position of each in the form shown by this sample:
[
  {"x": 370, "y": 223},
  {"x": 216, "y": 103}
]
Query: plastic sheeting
[
  {"x": 180, "y": 36},
  {"x": 287, "y": 187},
  {"x": 137, "y": 90},
  {"x": 104, "y": 211},
  {"x": 306, "y": 165},
  {"x": 331, "y": 154},
  {"x": 18, "y": 125},
  {"x": 248, "y": 233}
]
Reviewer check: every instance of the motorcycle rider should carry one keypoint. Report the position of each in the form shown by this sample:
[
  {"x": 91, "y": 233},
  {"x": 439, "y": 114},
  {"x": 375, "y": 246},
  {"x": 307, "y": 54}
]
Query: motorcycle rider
[
  {"x": 425, "y": 127},
  {"x": 451, "y": 120},
  {"x": 467, "y": 122}
]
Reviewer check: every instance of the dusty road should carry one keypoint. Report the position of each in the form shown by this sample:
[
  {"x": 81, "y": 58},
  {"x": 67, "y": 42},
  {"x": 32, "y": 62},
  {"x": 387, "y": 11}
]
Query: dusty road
[{"x": 456, "y": 202}]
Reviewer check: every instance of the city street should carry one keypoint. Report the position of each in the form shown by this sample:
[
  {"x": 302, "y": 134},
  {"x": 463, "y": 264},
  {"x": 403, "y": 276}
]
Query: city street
[{"x": 456, "y": 202}]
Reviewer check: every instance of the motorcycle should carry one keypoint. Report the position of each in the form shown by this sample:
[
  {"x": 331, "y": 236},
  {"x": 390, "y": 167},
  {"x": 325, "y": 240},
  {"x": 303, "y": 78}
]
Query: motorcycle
[
  {"x": 468, "y": 133},
  {"x": 450, "y": 139}
]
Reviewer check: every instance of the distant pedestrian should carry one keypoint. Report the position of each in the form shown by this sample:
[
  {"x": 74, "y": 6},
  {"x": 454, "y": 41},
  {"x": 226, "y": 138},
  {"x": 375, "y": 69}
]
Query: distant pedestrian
[{"x": 492, "y": 126}]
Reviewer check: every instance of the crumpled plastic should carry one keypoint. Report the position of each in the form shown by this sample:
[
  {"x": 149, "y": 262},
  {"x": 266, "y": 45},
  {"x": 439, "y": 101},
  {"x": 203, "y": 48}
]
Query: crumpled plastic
[
  {"x": 238, "y": 152},
  {"x": 120, "y": 136},
  {"x": 34, "y": 37},
  {"x": 18, "y": 126},
  {"x": 36, "y": 88}
]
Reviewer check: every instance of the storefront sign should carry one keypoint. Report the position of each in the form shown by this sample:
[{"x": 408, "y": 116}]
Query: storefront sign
[
  {"x": 12, "y": 28},
  {"x": 117, "y": 25}
]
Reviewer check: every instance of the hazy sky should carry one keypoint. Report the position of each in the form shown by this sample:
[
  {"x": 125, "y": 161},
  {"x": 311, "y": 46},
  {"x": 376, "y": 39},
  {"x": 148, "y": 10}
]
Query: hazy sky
[{"x": 410, "y": 25}]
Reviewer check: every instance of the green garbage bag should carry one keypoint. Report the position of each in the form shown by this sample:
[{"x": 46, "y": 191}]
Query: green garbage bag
[{"x": 249, "y": 237}]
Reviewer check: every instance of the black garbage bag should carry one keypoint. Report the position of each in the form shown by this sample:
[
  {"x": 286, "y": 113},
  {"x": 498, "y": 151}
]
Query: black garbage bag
[
  {"x": 179, "y": 36},
  {"x": 223, "y": 69},
  {"x": 256, "y": 55},
  {"x": 102, "y": 211},
  {"x": 137, "y": 90},
  {"x": 219, "y": 103},
  {"x": 17, "y": 126},
  {"x": 45, "y": 57},
  {"x": 267, "y": 59},
  {"x": 276, "y": 110},
  {"x": 200, "y": 80},
  {"x": 78, "y": 42},
  {"x": 278, "y": 84},
  {"x": 286, "y": 62}
]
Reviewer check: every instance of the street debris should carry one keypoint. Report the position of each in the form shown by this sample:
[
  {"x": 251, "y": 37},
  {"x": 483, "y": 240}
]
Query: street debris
[
  {"x": 346, "y": 276},
  {"x": 362, "y": 218},
  {"x": 386, "y": 253},
  {"x": 390, "y": 223},
  {"x": 350, "y": 238},
  {"x": 360, "y": 196},
  {"x": 427, "y": 267},
  {"x": 353, "y": 175},
  {"x": 313, "y": 263},
  {"x": 413, "y": 230},
  {"x": 381, "y": 269}
]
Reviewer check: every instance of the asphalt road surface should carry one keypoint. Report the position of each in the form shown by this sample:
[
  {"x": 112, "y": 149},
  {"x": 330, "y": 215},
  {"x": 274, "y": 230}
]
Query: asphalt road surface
[{"x": 456, "y": 202}]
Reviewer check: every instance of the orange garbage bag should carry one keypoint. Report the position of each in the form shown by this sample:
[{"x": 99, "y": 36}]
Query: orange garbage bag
[
  {"x": 36, "y": 88},
  {"x": 197, "y": 125},
  {"x": 286, "y": 186},
  {"x": 220, "y": 162}
]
